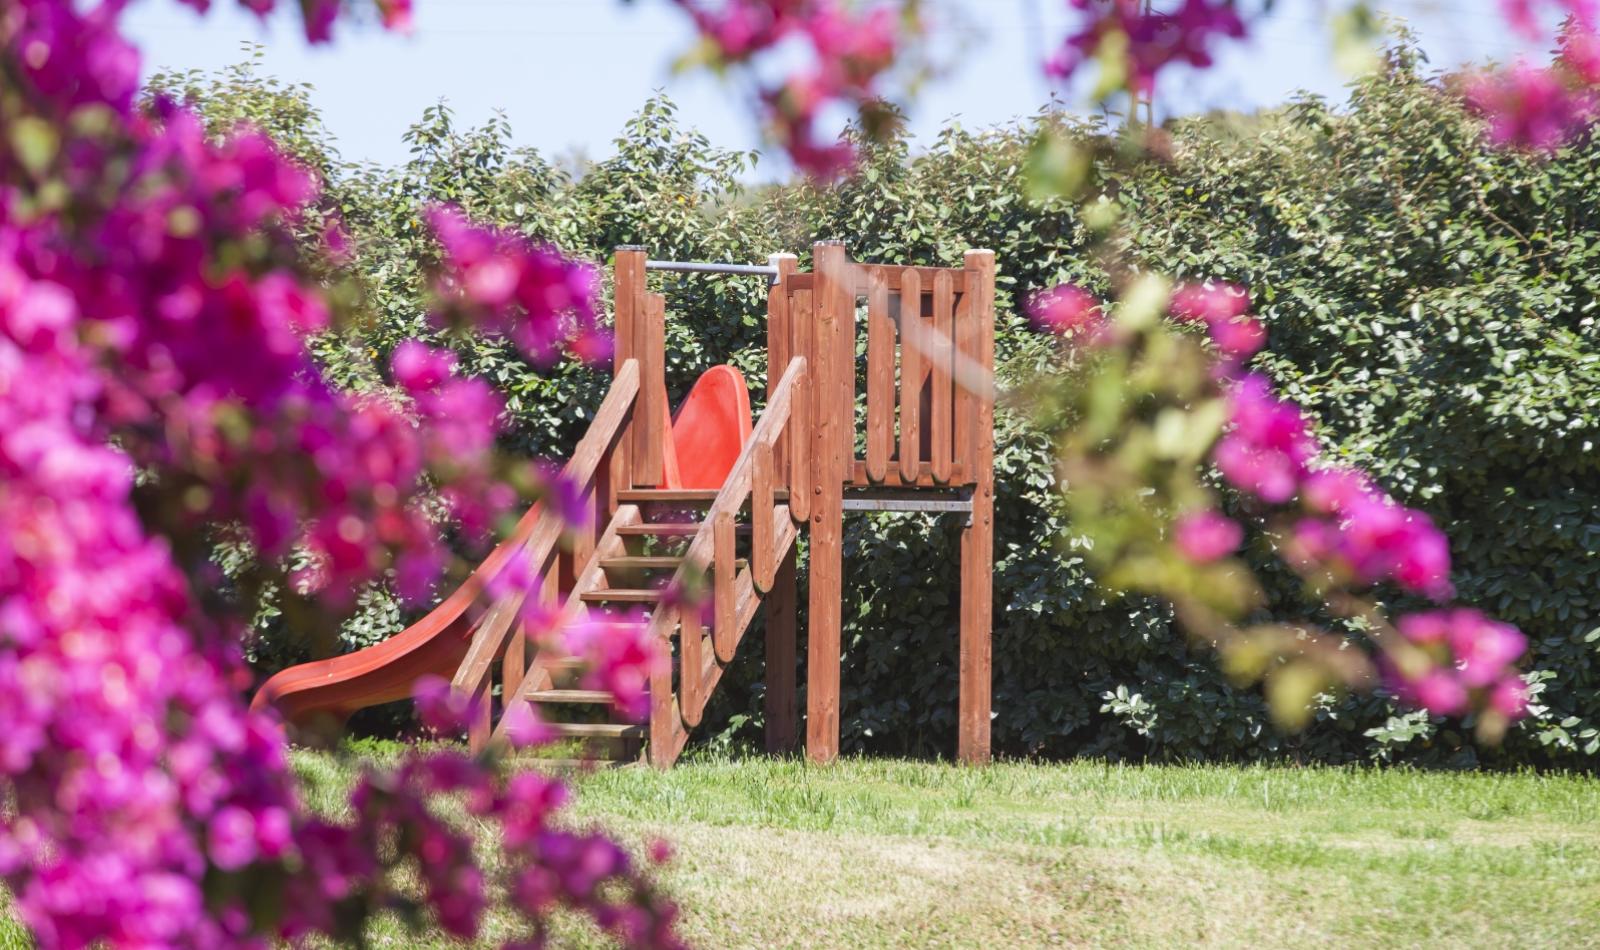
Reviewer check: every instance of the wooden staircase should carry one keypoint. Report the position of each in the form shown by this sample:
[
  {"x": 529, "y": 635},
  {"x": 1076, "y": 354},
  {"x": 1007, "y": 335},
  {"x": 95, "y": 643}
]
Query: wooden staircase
[{"x": 692, "y": 566}]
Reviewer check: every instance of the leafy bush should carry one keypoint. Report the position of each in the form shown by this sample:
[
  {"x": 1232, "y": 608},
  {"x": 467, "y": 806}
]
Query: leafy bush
[{"x": 1431, "y": 300}]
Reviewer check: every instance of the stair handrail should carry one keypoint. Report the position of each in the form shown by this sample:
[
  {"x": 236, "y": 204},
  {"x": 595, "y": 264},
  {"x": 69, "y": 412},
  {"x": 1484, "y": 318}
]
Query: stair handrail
[
  {"x": 712, "y": 548},
  {"x": 539, "y": 539}
]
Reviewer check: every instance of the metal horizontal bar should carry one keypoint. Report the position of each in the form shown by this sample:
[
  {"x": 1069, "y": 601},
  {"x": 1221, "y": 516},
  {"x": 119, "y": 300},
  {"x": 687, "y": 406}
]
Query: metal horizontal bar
[
  {"x": 704, "y": 267},
  {"x": 907, "y": 504}
]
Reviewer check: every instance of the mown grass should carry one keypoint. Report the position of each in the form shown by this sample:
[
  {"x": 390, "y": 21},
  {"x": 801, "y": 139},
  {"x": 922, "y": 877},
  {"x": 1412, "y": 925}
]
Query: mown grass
[{"x": 882, "y": 853}]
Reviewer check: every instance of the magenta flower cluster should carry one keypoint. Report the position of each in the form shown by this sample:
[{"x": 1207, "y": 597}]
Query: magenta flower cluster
[
  {"x": 1150, "y": 39},
  {"x": 154, "y": 380},
  {"x": 848, "y": 50},
  {"x": 1067, "y": 310},
  {"x": 1343, "y": 531},
  {"x": 1537, "y": 108}
]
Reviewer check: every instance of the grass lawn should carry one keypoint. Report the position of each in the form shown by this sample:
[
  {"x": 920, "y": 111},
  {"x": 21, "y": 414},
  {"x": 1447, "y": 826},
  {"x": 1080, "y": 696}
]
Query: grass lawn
[{"x": 877, "y": 853}]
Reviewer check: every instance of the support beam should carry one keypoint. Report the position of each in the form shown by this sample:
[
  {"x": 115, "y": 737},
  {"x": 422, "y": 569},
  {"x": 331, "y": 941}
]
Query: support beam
[
  {"x": 782, "y": 659},
  {"x": 834, "y": 324},
  {"x": 977, "y": 539}
]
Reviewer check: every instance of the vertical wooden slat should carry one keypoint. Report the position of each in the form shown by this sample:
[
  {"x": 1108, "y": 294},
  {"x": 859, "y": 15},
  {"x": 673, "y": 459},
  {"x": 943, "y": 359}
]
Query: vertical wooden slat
[
  {"x": 480, "y": 726},
  {"x": 514, "y": 665},
  {"x": 724, "y": 638},
  {"x": 691, "y": 659},
  {"x": 780, "y": 347},
  {"x": 802, "y": 319},
  {"x": 665, "y": 714},
  {"x": 880, "y": 376},
  {"x": 977, "y": 538},
  {"x": 965, "y": 407},
  {"x": 938, "y": 355},
  {"x": 627, "y": 269},
  {"x": 763, "y": 559},
  {"x": 834, "y": 290},
  {"x": 911, "y": 347},
  {"x": 649, "y": 429},
  {"x": 782, "y": 659}
]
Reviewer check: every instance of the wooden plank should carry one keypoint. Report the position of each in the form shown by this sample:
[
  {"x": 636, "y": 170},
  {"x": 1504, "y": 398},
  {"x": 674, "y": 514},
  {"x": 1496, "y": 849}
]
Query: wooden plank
[
  {"x": 938, "y": 355},
  {"x": 782, "y": 659},
  {"x": 911, "y": 349},
  {"x": 924, "y": 479},
  {"x": 893, "y": 273},
  {"x": 763, "y": 558},
  {"x": 692, "y": 655},
  {"x": 649, "y": 419},
  {"x": 723, "y": 573},
  {"x": 830, "y": 446},
  {"x": 678, "y": 529},
  {"x": 802, "y": 320},
  {"x": 977, "y": 540},
  {"x": 780, "y": 347},
  {"x": 620, "y": 595},
  {"x": 666, "y": 721},
  {"x": 880, "y": 377},
  {"x": 964, "y": 409},
  {"x": 628, "y": 281}
]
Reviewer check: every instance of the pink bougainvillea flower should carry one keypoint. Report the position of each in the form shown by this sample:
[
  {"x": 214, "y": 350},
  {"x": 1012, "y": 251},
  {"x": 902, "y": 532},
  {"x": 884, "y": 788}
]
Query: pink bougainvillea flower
[
  {"x": 1439, "y": 691},
  {"x": 440, "y": 708},
  {"x": 1238, "y": 338},
  {"x": 619, "y": 657},
  {"x": 1425, "y": 628},
  {"x": 1209, "y": 302},
  {"x": 1481, "y": 653},
  {"x": 1332, "y": 491},
  {"x": 1268, "y": 443},
  {"x": 525, "y": 729},
  {"x": 1149, "y": 40},
  {"x": 1484, "y": 648},
  {"x": 1531, "y": 107},
  {"x": 397, "y": 15},
  {"x": 1067, "y": 310},
  {"x": 834, "y": 55},
  {"x": 1509, "y": 696},
  {"x": 1205, "y": 536},
  {"x": 419, "y": 368},
  {"x": 1382, "y": 540},
  {"x": 1523, "y": 15}
]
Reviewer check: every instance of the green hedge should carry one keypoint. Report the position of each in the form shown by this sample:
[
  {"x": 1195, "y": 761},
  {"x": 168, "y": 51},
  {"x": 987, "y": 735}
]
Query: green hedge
[{"x": 1433, "y": 302}]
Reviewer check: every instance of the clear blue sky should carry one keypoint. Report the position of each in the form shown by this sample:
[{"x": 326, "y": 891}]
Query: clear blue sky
[{"x": 569, "y": 72}]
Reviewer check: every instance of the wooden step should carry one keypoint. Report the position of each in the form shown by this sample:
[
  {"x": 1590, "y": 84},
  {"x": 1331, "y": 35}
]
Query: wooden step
[
  {"x": 592, "y": 696},
  {"x": 681, "y": 496},
  {"x": 578, "y": 765},
  {"x": 620, "y": 595},
  {"x": 674, "y": 529},
  {"x": 653, "y": 562},
  {"x": 599, "y": 730}
]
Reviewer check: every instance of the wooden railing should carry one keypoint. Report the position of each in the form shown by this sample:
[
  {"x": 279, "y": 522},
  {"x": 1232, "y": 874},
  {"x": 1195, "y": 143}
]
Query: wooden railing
[
  {"x": 711, "y": 553},
  {"x": 489, "y": 638},
  {"x": 938, "y": 344}
]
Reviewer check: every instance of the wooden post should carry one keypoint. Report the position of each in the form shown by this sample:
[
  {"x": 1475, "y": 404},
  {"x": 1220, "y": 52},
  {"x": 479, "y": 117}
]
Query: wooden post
[
  {"x": 834, "y": 296},
  {"x": 782, "y": 659},
  {"x": 649, "y": 429},
  {"x": 627, "y": 269},
  {"x": 780, "y": 348},
  {"x": 977, "y": 538}
]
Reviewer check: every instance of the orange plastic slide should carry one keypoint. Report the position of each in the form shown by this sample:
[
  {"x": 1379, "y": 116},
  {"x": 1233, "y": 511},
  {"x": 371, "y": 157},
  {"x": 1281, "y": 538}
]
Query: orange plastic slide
[{"x": 704, "y": 440}]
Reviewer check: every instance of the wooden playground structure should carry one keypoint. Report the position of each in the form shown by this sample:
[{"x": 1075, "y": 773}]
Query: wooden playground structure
[{"x": 920, "y": 441}]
